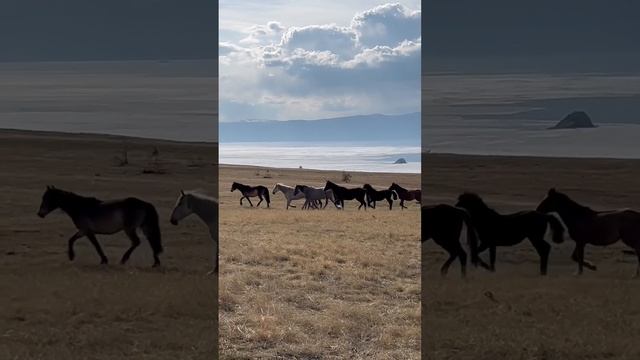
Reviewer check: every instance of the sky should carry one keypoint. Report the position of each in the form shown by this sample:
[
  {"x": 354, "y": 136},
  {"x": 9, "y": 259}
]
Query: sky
[
  {"x": 283, "y": 60},
  {"x": 98, "y": 30},
  {"x": 542, "y": 36}
]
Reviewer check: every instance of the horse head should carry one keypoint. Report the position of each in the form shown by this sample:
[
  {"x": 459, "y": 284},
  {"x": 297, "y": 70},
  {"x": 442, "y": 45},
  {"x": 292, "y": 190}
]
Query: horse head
[
  {"x": 328, "y": 185},
  {"x": 470, "y": 202},
  {"x": 298, "y": 189},
  {"x": 551, "y": 202},
  {"x": 50, "y": 201},
  {"x": 181, "y": 209},
  {"x": 234, "y": 186}
]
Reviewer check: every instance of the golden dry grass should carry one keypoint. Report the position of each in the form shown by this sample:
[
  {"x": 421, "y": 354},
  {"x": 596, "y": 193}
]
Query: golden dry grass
[
  {"x": 323, "y": 284},
  {"x": 55, "y": 309},
  {"x": 596, "y": 316}
]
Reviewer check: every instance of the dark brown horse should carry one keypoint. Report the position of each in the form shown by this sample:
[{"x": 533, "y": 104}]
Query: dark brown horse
[
  {"x": 443, "y": 223},
  {"x": 600, "y": 228},
  {"x": 252, "y": 191},
  {"x": 342, "y": 193},
  {"x": 406, "y": 195},
  {"x": 92, "y": 216},
  {"x": 374, "y": 195},
  {"x": 496, "y": 229}
]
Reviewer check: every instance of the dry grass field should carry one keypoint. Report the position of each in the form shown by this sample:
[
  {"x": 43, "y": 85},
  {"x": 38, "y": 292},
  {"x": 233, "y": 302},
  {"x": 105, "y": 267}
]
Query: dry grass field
[
  {"x": 596, "y": 316},
  {"x": 52, "y": 308},
  {"x": 318, "y": 284}
]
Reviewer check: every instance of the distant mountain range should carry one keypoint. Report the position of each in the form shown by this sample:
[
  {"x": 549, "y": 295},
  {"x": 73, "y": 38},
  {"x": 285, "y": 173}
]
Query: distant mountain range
[{"x": 374, "y": 127}]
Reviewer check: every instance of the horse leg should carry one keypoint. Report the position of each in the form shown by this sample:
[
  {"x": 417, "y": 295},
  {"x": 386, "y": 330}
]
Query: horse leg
[
  {"x": 462, "y": 255},
  {"x": 543, "y": 249},
  {"x": 260, "y": 197},
  {"x": 249, "y": 200},
  {"x": 216, "y": 256},
  {"x": 578, "y": 256},
  {"x": 637, "y": 275},
  {"x": 483, "y": 247},
  {"x": 445, "y": 267},
  {"x": 72, "y": 240},
  {"x": 492, "y": 258},
  {"x": 94, "y": 241},
  {"x": 402, "y": 204},
  {"x": 135, "y": 241},
  {"x": 390, "y": 203}
]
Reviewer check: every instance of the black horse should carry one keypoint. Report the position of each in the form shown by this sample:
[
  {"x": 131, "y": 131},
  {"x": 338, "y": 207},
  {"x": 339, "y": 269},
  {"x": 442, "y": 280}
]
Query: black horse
[
  {"x": 92, "y": 216},
  {"x": 342, "y": 193},
  {"x": 252, "y": 191},
  {"x": 443, "y": 223},
  {"x": 374, "y": 195},
  {"x": 406, "y": 195},
  {"x": 600, "y": 228},
  {"x": 495, "y": 229}
]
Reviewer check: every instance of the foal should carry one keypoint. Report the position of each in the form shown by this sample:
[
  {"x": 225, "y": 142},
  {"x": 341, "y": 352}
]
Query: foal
[{"x": 92, "y": 216}]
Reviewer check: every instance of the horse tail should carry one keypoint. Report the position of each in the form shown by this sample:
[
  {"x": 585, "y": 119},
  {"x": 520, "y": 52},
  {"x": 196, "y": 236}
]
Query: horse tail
[
  {"x": 151, "y": 228},
  {"x": 394, "y": 195},
  {"x": 472, "y": 236},
  {"x": 266, "y": 196},
  {"x": 556, "y": 228}
]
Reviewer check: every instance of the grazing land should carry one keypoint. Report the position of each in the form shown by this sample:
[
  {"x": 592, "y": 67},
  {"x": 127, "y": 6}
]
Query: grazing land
[
  {"x": 514, "y": 313},
  {"x": 52, "y": 308},
  {"x": 318, "y": 284}
]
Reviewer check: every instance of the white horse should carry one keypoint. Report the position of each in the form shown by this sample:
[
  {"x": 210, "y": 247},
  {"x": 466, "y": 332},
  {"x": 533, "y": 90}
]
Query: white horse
[
  {"x": 288, "y": 193},
  {"x": 205, "y": 208},
  {"x": 313, "y": 195}
]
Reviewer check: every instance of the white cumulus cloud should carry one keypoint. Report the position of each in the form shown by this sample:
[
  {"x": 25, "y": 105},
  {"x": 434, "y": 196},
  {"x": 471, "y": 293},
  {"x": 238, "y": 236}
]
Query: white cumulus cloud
[{"x": 370, "y": 65}]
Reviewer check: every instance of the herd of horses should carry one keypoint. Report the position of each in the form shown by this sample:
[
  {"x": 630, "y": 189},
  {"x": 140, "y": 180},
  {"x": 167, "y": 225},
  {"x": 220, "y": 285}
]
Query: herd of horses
[
  {"x": 92, "y": 216},
  {"x": 488, "y": 229},
  {"x": 366, "y": 196}
]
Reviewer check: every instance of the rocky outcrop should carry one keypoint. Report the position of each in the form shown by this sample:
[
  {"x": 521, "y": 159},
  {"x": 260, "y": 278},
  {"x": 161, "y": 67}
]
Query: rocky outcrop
[{"x": 575, "y": 120}]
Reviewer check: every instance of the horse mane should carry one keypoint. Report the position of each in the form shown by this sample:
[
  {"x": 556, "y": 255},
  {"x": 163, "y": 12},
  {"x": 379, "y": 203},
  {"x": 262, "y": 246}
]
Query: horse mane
[
  {"x": 90, "y": 200},
  {"x": 574, "y": 204},
  {"x": 200, "y": 195}
]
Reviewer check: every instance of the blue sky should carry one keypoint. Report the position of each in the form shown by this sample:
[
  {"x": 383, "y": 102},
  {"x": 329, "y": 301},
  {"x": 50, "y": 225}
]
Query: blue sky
[{"x": 314, "y": 59}]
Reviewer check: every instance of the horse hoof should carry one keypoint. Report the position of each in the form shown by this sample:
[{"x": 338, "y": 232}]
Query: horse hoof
[{"x": 104, "y": 262}]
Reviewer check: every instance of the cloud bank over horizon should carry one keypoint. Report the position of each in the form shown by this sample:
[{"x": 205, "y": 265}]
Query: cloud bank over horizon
[{"x": 272, "y": 70}]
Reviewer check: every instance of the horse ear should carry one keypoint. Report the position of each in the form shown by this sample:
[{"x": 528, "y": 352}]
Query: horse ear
[{"x": 181, "y": 192}]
